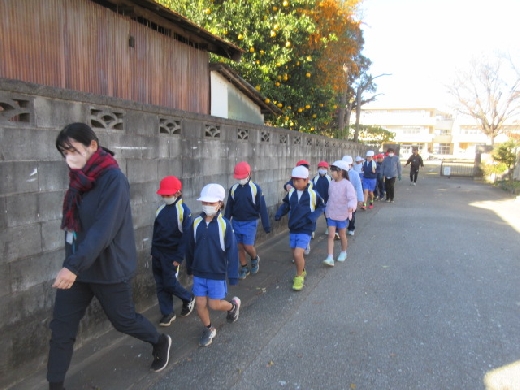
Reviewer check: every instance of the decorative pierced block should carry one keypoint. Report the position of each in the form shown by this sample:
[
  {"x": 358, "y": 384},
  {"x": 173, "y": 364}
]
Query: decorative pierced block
[
  {"x": 283, "y": 138},
  {"x": 318, "y": 143},
  {"x": 104, "y": 119},
  {"x": 264, "y": 136},
  {"x": 212, "y": 131},
  {"x": 327, "y": 144},
  {"x": 297, "y": 140},
  {"x": 309, "y": 141},
  {"x": 242, "y": 134},
  {"x": 14, "y": 110},
  {"x": 169, "y": 126}
]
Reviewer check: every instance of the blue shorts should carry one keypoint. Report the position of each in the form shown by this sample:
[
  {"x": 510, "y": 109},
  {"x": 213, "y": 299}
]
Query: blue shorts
[
  {"x": 369, "y": 184},
  {"x": 213, "y": 289},
  {"x": 245, "y": 231},
  {"x": 299, "y": 240},
  {"x": 338, "y": 224}
]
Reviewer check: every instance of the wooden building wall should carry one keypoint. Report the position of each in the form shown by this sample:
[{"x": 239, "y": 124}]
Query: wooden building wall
[{"x": 82, "y": 46}]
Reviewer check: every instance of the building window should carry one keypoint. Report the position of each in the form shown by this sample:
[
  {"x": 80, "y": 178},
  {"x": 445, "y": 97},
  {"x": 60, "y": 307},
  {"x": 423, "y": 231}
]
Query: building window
[
  {"x": 411, "y": 130},
  {"x": 441, "y": 148},
  {"x": 444, "y": 132}
]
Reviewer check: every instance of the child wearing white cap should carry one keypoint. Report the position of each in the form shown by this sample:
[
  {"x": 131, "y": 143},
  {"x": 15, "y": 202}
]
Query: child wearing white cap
[
  {"x": 211, "y": 254},
  {"x": 369, "y": 181},
  {"x": 358, "y": 164},
  {"x": 342, "y": 203},
  {"x": 356, "y": 182},
  {"x": 305, "y": 205}
]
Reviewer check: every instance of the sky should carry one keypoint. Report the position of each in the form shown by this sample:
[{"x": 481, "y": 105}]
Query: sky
[{"x": 421, "y": 43}]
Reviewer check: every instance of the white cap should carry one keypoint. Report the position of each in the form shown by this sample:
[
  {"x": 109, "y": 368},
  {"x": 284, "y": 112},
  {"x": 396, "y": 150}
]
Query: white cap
[
  {"x": 359, "y": 158},
  {"x": 300, "y": 171},
  {"x": 347, "y": 159},
  {"x": 341, "y": 164},
  {"x": 370, "y": 153},
  {"x": 212, "y": 193}
]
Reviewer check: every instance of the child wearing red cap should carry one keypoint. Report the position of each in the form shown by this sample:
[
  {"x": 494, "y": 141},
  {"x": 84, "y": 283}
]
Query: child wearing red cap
[
  {"x": 172, "y": 222},
  {"x": 321, "y": 183},
  {"x": 244, "y": 206}
]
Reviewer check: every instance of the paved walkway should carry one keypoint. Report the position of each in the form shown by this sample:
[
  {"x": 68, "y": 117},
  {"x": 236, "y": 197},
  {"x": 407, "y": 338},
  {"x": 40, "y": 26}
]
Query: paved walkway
[{"x": 438, "y": 224}]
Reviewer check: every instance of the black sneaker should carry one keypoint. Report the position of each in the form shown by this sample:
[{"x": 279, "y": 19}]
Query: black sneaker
[
  {"x": 232, "y": 315},
  {"x": 167, "y": 319},
  {"x": 161, "y": 353},
  {"x": 187, "y": 308}
]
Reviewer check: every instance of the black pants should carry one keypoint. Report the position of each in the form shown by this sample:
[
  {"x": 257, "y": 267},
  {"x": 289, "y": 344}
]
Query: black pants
[
  {"x": 414, "y": 172},
  {"x": 352, "y": 222},
  {"x": 389, "y": 188},
  {"x": 166, "y": 284},
  {"x": 70, "y": 306}
]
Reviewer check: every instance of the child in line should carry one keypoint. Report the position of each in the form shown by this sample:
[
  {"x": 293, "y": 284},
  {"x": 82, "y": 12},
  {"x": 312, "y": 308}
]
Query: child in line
[
  {"x": 369, "y": 180},
  {"x": 380, "y": 194},
  {"x": 320, "y": 183},
  {"x": 356, "y": 182},
  {"x": 172, "y": 222},
  {"x": 342, "y": 203},
  {"x": 211, "y": 255},
  {"x": 244, "y": 206},
  {"x": 305, "y": 206},
  {"x": 289, "y": 185}
]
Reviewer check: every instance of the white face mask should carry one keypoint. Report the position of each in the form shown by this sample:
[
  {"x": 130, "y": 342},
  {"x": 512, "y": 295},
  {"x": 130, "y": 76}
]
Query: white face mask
[
  {"x": 243, "y": 182},
  {"x": 210, "y": 211},
  {"x": 391, "y": 154},
  {"x": 322, "y": 171},
  {"x": 170, "y": 200},
  {"x": 76, "y": 161}
]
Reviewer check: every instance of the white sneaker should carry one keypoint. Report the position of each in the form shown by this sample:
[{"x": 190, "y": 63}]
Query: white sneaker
[
  {"x": 414, "y": 183},
  {"x": 327, "y": 231},
  {"x": 336, "y": 236},
  {"x": 342, "y": 256},
  {"x": 312, "y": 236},
  {"x": 350, "y": 232},
  {"x": 329, "y": 261},
  {"x": 308, "y": 250}
]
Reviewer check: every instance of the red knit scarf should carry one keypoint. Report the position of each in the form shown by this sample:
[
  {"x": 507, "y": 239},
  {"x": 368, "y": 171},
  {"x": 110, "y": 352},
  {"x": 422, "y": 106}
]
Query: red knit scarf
[{"x": 81, "y": 181}]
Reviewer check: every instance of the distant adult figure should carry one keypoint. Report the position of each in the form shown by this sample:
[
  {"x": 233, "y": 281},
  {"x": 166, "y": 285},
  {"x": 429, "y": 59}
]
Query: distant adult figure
[
  {"x": 391, "y": 169},
  {"x": 100, "y": 252},
  {"x": 415, "y": 161}
]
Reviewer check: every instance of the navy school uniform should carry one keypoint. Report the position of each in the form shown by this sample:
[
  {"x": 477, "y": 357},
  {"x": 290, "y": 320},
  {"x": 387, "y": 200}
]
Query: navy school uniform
[{"x": 172, "y": 223}]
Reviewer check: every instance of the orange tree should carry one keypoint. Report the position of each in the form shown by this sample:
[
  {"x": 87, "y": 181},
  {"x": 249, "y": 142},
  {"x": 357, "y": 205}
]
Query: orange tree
[{"x": 294, "y": 50}]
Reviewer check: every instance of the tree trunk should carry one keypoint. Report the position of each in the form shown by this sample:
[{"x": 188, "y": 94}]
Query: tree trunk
[
  {"x": 358, "y": 113},
  {"x": 341, "y": 115}
]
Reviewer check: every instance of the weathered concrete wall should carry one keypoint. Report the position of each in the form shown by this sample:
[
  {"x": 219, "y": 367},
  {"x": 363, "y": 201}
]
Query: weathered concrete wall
[{"x": 150, "y": 142}]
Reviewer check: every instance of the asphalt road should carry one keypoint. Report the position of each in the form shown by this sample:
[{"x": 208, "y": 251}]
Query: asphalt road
[{"x": 429, "y": 298}]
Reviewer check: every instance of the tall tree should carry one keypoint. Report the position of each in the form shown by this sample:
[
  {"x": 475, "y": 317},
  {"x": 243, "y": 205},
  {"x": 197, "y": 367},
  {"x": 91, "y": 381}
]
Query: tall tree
[
  {"x": 489, "y": 92},
  {"x": 287, "y": 44}
]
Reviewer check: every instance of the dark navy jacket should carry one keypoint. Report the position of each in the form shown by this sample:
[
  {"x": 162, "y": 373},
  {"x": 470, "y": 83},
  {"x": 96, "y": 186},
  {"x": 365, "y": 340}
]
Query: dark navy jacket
[
  {"x": 247, "y": 203},
  {"x": 104, "y": 251},
  {"x": 304, "y": 211},
  {"x": 212, "y": 251},
  {"x": 321, "y": 184},
  {"x": 367, "y": 170},
  {"x": 171, "y": 222}
]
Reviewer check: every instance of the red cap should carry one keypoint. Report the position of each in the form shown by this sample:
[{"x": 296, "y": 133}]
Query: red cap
[
  {"x": 169, "y": 186},
  {"x": 302, "y": 162},
  {"x": 323, "y": 164},
  {"x": 242, "y": 170}
]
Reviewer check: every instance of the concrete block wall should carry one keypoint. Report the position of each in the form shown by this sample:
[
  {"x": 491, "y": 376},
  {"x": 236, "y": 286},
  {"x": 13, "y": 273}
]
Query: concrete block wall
[{"x": 150, "y": 142}]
